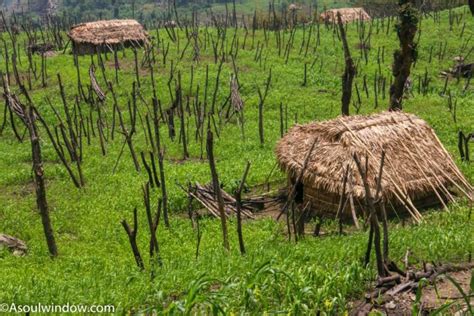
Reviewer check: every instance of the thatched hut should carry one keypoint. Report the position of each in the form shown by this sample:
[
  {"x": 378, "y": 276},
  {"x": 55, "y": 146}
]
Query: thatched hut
[
  {"x": 418, "y": 171},
  {"x": 87, "y": 38},
  {"x": 347, "y": 15}
]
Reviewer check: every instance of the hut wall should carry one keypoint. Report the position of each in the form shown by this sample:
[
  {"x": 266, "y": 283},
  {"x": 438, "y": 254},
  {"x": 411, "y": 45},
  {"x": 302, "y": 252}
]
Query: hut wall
[
  {"x": 327, "y": 203},
  {"x": 91, "y": 49},
  {"x": 84, "y": 49}
]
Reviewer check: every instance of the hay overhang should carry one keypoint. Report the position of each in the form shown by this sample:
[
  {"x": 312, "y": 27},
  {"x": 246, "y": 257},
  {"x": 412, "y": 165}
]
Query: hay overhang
[{"x": 107, "y": 34}]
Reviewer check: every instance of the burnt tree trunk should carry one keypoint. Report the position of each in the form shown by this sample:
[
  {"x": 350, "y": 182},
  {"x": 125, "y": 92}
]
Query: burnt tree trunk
[
  {"x": 374, "y": 222},
  {"x": 160, "y": 153},
  {"x": 216, "y": 187},
  {"x": 263, "y": 97},
  {"x": 27, "y": 114},
  {"x": 38, "y": 171},
  {"x": 238, "y": 199},
  {"x": 132, "y": 237},
  {"x": 349, "y": 72},
  {"x": 406, "y": 55}
]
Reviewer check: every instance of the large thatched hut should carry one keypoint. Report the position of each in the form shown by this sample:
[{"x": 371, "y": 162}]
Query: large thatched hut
[
  {"x": 89, "y": 37},
  {"x": 418, "y": 172},
  {"x": 347, "y": 15}
]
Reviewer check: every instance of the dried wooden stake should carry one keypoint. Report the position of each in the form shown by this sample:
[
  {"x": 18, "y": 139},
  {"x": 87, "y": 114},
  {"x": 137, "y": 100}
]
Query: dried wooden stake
[
  {"x": 262, "y": 98},
  {"x": 148, "y": 170},
  {"x": 349, "y": 72},
  {"x": 164, "y": 194},
  {"x": 238, "y": 199},
  {"x": 216, "y": 187},
  {"x": 374, "y": 223},
  {"x": 27, "y": 114},
  {"x": 132, "y": 236},
  {"x": 153, "y": 225}
]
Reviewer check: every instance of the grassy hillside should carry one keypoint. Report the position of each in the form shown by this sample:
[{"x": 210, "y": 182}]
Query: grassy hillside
[
  {"x": 95, "y": 265},
  {"x": 146, "y": 10},
  {"x": 151, "y": 10}
]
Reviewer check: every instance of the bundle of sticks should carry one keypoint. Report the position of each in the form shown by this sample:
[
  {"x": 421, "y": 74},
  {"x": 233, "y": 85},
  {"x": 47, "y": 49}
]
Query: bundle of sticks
[
  {"x": 205, "y": 195},
  {"x": 388, "y": 288}
]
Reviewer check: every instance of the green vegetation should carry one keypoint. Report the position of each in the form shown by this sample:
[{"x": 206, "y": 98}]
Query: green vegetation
[
  {"x": 95, "y": 265},
  {"x": 150, "y": 11}
]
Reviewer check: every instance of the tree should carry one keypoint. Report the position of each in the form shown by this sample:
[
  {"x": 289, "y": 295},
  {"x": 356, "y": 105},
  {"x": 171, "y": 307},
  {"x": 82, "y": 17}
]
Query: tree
[
  {"x": 349, "y": 72},
  {"x": 407, "y": 27}
]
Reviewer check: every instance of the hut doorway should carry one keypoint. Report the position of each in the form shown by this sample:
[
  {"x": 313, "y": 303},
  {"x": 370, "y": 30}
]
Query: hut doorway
[{"x": 299, "y": 191}]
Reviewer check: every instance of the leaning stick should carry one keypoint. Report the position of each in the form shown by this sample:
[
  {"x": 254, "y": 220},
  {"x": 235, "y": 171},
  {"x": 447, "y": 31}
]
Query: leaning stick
[
  {"x": 446, "y": 191},
  {"x": 403, "y": 194},
  {"x": 408, "y": 200},
  {"x": 298, "y": 179},
  {"x": 351, "y": 203},
  {"x": 469, "y": 196},
  {"x": 425, "y": 176},
  {"x": 451, "y": 163},
  {"x": 208, "y": 207}
]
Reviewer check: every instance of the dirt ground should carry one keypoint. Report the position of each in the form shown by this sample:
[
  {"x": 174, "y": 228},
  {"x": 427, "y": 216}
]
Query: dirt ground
[{"x": 434, "y": 297}]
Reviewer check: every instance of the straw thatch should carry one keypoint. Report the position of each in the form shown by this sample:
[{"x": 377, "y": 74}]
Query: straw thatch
[
  {"x": 417, "y": 166},
  {"x": 107, "y": 34},
  {"x": 347, "y": 15}
]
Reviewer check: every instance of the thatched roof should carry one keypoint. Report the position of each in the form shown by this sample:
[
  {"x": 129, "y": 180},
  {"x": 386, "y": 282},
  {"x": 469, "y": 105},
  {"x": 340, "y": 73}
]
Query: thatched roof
[
  {"x": 108, "y": 32},
  {"x": 416, "y": 162},
  {"x": 347, "y": 15}
]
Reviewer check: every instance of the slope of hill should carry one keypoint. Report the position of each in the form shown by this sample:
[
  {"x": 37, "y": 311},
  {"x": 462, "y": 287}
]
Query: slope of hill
[
  {"x": 146, "y": 10},
  {"x": 197, "y": 276}
]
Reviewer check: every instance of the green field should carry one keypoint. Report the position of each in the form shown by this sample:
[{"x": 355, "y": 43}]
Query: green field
[{"x": 95, "y": 264}]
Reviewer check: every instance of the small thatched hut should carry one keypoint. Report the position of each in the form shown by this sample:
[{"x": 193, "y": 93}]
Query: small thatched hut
[
  {"x": 418, "y": 172},
  {"x": 347, "y": 15},
  {"x": 87, "y": 38}
]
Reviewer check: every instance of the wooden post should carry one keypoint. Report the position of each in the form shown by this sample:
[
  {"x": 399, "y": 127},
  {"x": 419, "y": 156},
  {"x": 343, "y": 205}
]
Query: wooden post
[
  {"x": 137, "y": 73},
  {"x": 27, "y": 114},
  {"x": 58, "y": 150},
  {"x": 262, "y": 98},
  {"x": 127, "y": 134},
  {"x": 148, "y": 170},
  {"x": 38, "y": 171},
  {"x": 305, "y": 80},
  {"x": 216, "y": 187},
  {"x": 179, "y": 100},
  {"x": 164, "y": 193},
  {"x": 153, "y": 225},
  {"x": 238, "y": 199},
  {"x": 349, "y": 72},
  {"x": 374, "y": 223},
  {"x": 132, "y": 236},
  {"x": 343, "y": 200}
]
